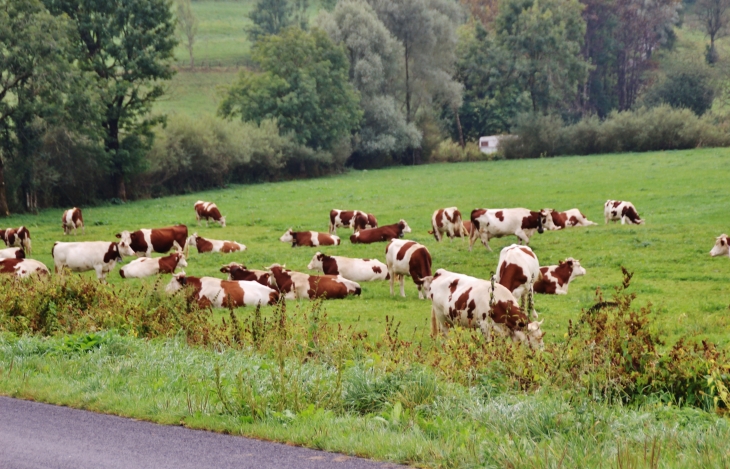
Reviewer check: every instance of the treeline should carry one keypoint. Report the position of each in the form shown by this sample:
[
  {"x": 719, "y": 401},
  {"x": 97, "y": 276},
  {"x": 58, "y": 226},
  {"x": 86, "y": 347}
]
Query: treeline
[{"x": 365, "y": 83}]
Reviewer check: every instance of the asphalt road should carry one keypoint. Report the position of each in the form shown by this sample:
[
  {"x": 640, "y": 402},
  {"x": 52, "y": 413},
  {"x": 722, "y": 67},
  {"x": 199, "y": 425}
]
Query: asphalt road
[{"x": 35, "y": 435}]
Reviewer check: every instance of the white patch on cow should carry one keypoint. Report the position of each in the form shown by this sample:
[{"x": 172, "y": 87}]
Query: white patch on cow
[
  {"x": 515, "y": 255},
  {"x": 722, "y": 246},
  {"x": 357, "y": 270},
  {"x": 9, "y": 253}
]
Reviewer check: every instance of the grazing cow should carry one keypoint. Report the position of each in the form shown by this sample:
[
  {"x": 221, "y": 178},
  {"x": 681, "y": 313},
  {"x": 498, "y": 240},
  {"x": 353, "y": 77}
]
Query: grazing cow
[
  {"x": 146, "y": 241},
  {"x": 12, "y": 253},
  {"x": 355, "y": 219},
  {"x": 148, "y": 266},
  {"x": 556, "y": 278},
  {"x": 721, "y": 248},
  {"x": 100, "y": 256},
  {"x": 496, "y": 223},
  {"x": 214, "y": 245},
  {"x": 238, "y": 271},
  {"x": 383, "y": 233},
  {"x": 23, "y": 268},
  {"x": 447, "y": 220},
  {"x": 17, "y": 238},
  {"x": 405, "y": 257},
  {"x": 218, "y": 293},
  {"x": 615, "y": 210},
  {"x": 309, "y": 238},
  {"x": 518, "y": 270},
  {"x": 357, "y": 270},
  {"x": 208, "y": 211},
  {"x": 71, "y": 220},
  {"x": 572, "y": 217},
  {"x": 472, "y": 302},
  {"x": 294, "y": 285}
]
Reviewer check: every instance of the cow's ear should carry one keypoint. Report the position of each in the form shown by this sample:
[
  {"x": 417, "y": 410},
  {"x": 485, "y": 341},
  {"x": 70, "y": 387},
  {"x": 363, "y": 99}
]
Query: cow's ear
[
  {"x": 561, "y": 262},
  {"x": 118, "y": 235}
]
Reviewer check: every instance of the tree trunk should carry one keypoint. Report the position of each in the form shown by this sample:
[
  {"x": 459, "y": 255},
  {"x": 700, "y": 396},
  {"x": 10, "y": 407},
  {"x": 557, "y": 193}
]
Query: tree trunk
[
  {"x": 4, "y": 212},
  {"x": 408, "y": 87},
  {"x": 458, "y": 126},
  {"x": 112, "y": 147}
]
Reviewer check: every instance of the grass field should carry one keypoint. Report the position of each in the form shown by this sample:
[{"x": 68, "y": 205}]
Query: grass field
[{"x": 682, "y": 195}]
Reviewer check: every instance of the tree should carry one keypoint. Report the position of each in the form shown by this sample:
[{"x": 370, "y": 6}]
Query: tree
[
  {"x": 485, "y": 11},
  {"x": 187, "y": 26},
  {"x": 545, "y": 38},
  {"x": 301, "y": 82},
  {"x": 269, "y": 17},
  {"x": 129, "y": 46},
  {"x": 686, "y": 86},
  {"x": 713, "y": 16}
]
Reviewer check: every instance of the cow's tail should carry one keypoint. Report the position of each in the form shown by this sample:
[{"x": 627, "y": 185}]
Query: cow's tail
[
  {"x": 53, "y": 250},
  {"x": 435, "y": 231},
  {"x": 460, "y": 225}
]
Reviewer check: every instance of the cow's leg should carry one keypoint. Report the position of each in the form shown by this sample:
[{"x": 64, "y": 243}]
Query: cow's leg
[
  {"x": 434, "y": 323},
  {"x": 392, "y": 279},
  {"x": 403, "y": 286},
  {"x": 83, "y": 229},
  {"x": 522, "y": 236},
  {"x": 623, "y": 220},
  {"x": 605, "y": 217},
  {"x": 100, "y": 272}
]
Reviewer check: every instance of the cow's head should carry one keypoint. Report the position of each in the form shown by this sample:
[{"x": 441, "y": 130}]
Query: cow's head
[
  {"x": 192, "y": 240},
  {"x": 575, "y": 268},
  {"x": 222, "y": 221},
  {"x": 546, "y": 220},
  {"x": 316, "y": 262},
  {"x": 532, "y": 335},
  {"x": 180, "y": 260},
  {"x": 276, "y": 270},
  {"x": 722, "y": 246},
  {"x": 124, "y": 244},
  {"x": 404, "y": 227},
  {"x": 226, "y": 269},
  {"x": 177, "y": 282},
  {"x": 287, "y": 237},
  {"x": 426, "y": 286}
]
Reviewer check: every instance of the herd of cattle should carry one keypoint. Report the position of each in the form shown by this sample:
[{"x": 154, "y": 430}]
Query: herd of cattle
[{"x": 491, "y": 305}]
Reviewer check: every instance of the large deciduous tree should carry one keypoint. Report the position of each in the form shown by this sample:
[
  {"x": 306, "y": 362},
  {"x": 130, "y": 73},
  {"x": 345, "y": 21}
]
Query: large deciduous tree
[
  {"x": 301, "y": 81},
  {"x": 129, "y": 45},
  {"x": 187, "y": 27},
  {"x": 713, "y": 15},
  {"x": 270, "y": 17}
]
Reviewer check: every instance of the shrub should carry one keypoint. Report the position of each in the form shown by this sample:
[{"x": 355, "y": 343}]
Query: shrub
[
  {"x": 687, "y": 86},
  {"x": 449, "y": 151}
]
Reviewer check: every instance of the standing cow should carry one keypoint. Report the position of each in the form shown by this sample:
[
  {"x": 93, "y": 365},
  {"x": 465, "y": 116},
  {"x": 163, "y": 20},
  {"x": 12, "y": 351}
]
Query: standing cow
[
  {"x": 19, "y": 238},
  {"x": 295, "y": 285},
  {"x": 71, "y": 220},
  {"x": 448, "y": 221},
  {"x": 355, "y": 219},
  {"x": 146, "y": 241},
  {"x": 556, "y": 278},
  {"x": 405, "y": 257},
  {"x": 100, "y": 256},
  {"x": 309, "y": 238},
  {"x": 568, "y": 218},
  {"x": 148, "y": 266},
  {"x": 615, "y": 210},
  {"x": 518, "y": 270},
  {"x": 496, "y": 223},
  {"x": 357, "y": 270},
  {"x": 722, "y": 246},
  {"x": 381, "y": 234},
  {"x": 208, "y": 211}
]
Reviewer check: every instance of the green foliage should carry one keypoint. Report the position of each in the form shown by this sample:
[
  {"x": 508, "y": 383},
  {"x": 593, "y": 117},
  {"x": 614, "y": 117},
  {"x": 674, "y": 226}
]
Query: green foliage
[
  {"x": 270, "y": 17},
  {"x": 449, "y": 151},
  {"x": 302, "y": 83},
  {"x": 687, "y": 86}
]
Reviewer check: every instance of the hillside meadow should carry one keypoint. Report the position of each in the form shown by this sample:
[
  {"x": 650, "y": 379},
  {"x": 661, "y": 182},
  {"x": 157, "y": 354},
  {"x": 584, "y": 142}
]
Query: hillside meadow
[{"x": 682, "y": 196}]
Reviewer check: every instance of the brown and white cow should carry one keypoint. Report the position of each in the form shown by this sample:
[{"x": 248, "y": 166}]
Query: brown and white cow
[
  {"x": 295, "y": 285},
  {"x": 309, "y": 238},
  {"x": 12, "y": 253},
  {"x": 214, "y": 245},
  {"x": 615, "y": 210},
  {"x": 405, "y": 257},
  {"x": 71, "y": 220},
  {"x": 100, "y": 256},
  {"x": 568, "y": 218},
  {"x": 556, "y": 278},
  {"x": 518, "y": 270},
  {"x": 210, "y": 291},
  {"x": 17, "y": 238},
  {"x": 722, "y": 246},
  {"x": 383, "y": 233},
  {"x": 238, "y": 271},
  {"x": 148, "y": 266},
  {"x": 208, "y": 211},
  {"x": 448, "y": 221},
  {"x": 471, "y": 302},
  {"x": 23, "y": 268},
  {"x": 497, "y": 223},
  {"x": 357, "y": 270},
  {"x": 146, "y": 241},
  {"x": 355, "y": 219}
]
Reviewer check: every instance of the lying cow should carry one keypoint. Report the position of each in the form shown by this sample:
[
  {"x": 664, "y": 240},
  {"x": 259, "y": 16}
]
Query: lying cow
[
  {"x": 357, "y": 270},
  {"x": 295, "y": 285},
  {"x": 721, "y": 246},
  {"x": 383, "y": 233},
  {"x": 71, "y": 220},
  {"x": 405, "y": 257},
  {"x": 517, "y": 270},
  {"x": 238, "y": 271},
  {"x": 355, "y": 219},
  {"x": 12, "y": 253},
  {"x": 568, "y": 218},
  {"x": 148, "y": 266},
  {"x": 208, "y": 211},
  {"x": 214, "y": 245},
  {"x": 496, "y": 223},
  {"x": 447, "y": 221},
  {"x": 146, "y": 241},
  {"x": 471, "y": 302},
  {"x": 615, "y": 210},
  {"x": 556, "y": 278},
  {"x": 210, "y": 291},
  {"x": 17, "y": 238},
  {"x": 309, "y": 238},
  {"x": 23, "y": 268},
  {"x": 100, "y": 256}
]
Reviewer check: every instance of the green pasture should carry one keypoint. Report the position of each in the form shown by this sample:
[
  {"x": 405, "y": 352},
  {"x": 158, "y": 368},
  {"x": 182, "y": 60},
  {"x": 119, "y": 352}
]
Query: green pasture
[{"x": 682, "y": 195}]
